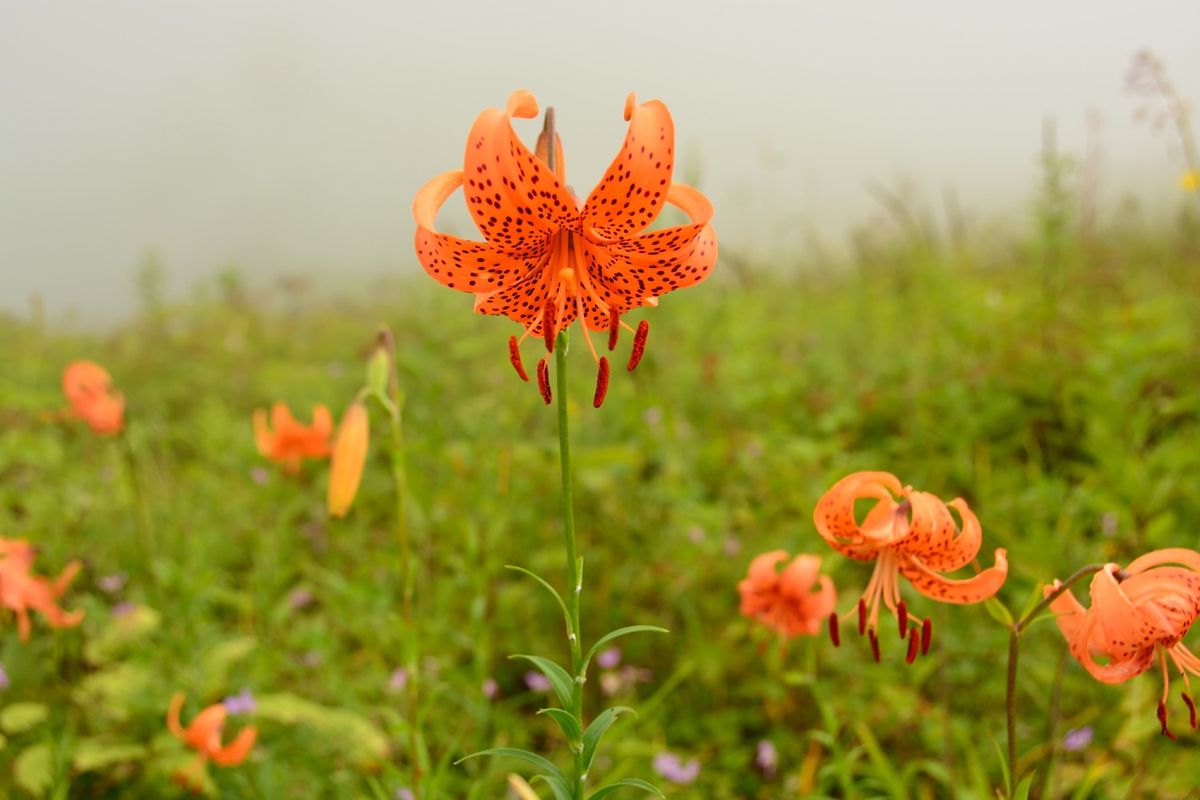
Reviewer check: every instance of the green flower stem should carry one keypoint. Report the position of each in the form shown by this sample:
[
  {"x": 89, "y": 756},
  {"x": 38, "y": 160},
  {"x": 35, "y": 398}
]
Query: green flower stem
[
  {"x": 137, "y": 490},
  {"x": 1014, "y": 654},
  {"x": 574, "y": 566}
]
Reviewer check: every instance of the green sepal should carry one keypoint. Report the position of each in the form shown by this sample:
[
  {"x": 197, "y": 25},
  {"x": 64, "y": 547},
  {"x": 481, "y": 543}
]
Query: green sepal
[
  {"x": 618, "y": 633},
  {"x": 567, "y": 722},
  {"x": 631, "y": 783},
  {"x": 595, "y": 732},
  {"x": 560, "y": 679}
]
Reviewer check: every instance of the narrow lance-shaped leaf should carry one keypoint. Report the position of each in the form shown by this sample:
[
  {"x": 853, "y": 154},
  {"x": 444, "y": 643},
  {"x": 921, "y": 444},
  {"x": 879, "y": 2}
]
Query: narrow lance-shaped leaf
[
  {"x": 595, "y": 732},
  {"x": 627, "y": 783},
  {"x": 618, "y": 633},
  {"x": 567, "y": 722},
  {"x": 540, "y": 762},
  {"x": 559, "y": 678}
]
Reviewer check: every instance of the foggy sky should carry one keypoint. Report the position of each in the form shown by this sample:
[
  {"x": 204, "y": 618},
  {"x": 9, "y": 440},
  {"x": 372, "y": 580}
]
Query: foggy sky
[{"x": 288, "y": 137}]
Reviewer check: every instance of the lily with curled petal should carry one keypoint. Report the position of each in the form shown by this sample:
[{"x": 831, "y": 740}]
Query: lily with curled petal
[
  {"x": 906, "y": 533},
  {"x": 21, "y": 590},
  {"x": 89, "y": 389},
  {"x": 793, "y": 601},
  {"x": 1138, "y": 614},
  {"x": 286, "y": 441},
  {"x": 549, "y": 259},
  {"x": 203, "y": 734}
]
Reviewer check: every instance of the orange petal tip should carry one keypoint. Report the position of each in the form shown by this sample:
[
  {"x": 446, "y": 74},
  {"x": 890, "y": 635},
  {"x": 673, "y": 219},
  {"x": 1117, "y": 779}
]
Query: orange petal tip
[
  {"x": 522, "y": 105},
  {"x": 630, "y": 102}
]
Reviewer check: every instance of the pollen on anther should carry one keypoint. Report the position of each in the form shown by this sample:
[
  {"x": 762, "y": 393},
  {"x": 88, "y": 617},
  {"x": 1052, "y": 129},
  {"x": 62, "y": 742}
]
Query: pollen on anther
[
  {"x": 834, "y": 634},
  {"x": 514, "y": 355},
  {"x": 902, "y": 618},
  {"x": 862, "y": 616},
  {"x": 874, "y": 645},
  {"x": 1191, "y": 709},
  {"x": 913, "y": 646},
  {"x": 614, "y": 328},
  {"x": 601, "y": 383},
  {"x": 543, "y": 373},
  {"x": 548, "y": 330},
  {"x": 926, "y": 635},
  {"x": 1162, "y": 719},
  {"x": 639, "y": 345}
]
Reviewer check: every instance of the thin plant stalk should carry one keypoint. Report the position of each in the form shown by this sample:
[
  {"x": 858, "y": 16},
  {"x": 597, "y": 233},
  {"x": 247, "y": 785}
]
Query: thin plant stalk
[
  {"x": 140, "y": 508},
  {"x": 1014, "y": 655},
  {"x": 574, "y": 565}
]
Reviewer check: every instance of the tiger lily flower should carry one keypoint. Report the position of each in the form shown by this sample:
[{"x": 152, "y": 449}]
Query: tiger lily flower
[
  {"x": 907, "y": 533},
  {"x": 21, "y": 590},
  {"x": 287, "y": 441},
  {"x": 1138, "y": 614},
  {"x": 549, "y": 259},
  {"x": 204, "y": 734},
  {"x": 794, "y": 601},
  {"x": 89, "y": 389}
]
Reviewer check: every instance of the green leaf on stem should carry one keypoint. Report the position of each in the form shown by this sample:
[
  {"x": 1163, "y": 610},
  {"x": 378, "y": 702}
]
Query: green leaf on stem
[
  {"x": 560, "y": 679},
  {"x": 540, "y": 762},
  {"x": 567, "y": 722},
  {"x": 595, "y": 731},
  {"x": 618, "y": 633},
  {"x": 549, "y": 588},
  {"x": 1023, "y": 788},
  {"x": 998, "y": 611},
  {"x": 557, "y": 785},
  {"x": 1035, "y": 597},
  {"x": 631, "y": 783}
]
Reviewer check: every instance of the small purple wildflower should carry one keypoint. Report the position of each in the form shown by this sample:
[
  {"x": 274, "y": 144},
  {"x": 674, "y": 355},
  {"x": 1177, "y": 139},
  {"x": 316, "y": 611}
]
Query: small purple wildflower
[
  {"x": 669, "y": 766},
  {"x": 111, "y": 584},
  {"x": 695, "y": 534},
  {"x": 260, "y": 475},
  {"x": 766, "y": 758},
  {"x": 123, "y": 609},
  {"x": 1077, "y": 739},
  {"x": 490, "y": 688},
  {"x": 537, "y": 682},
  {"x": 398, "y": 680},
  {"x": 300, "y": 598},
  {"x": 241, "y": 703},
  {"x": 404, "y": 793},
  {"x": 5, "y": 682},
  {"x": 609, "y": 659}
]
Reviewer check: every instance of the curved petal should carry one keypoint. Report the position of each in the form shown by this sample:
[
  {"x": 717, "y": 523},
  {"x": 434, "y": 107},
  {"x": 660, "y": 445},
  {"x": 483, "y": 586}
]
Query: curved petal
[
  {"x": 834, "y": 512},
  {"x": 513, "y": 197},
  {"x": 1169, "y": 555},
  {"x": 1169, "y": 597},
  {"x": 1070, "y": 616},
  {"x": 1124, "y": 630},
  {"x": 236, "y": 751},
  {"x": 945, "y": 548},
  {"x": 960, "y": 592},
  {"x": 1117, "y": 670},
  {"x": 173, "y": 709},
  {"x": 798, "y": 578},
  {"x": 634, "y": 187}
]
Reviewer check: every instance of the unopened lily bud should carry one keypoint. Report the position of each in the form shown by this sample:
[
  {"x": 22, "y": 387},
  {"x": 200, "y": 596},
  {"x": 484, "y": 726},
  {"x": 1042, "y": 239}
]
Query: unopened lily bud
[
  {"x": 377, "y": 370},
  {"x": 349, "y": 456}
]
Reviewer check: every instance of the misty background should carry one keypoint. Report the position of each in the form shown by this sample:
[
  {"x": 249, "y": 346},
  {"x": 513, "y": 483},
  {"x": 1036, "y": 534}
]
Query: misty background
[{"x": 287, "y": 138}]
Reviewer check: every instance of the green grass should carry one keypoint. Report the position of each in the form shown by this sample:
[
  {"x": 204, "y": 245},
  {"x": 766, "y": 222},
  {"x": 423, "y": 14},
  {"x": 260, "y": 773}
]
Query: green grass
[{"x": 1056, "y": 388}]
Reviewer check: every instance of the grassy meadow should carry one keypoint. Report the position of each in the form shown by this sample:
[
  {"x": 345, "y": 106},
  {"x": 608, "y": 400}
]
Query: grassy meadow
[{"x": 1052, "y": 380}]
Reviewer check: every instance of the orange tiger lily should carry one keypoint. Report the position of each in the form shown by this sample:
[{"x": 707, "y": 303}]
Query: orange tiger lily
[
  {"x": 21, "y": 590},
  {"x": 916, "y": 537},
  {"x": 794, "y": 601},
  {"x": 287, "y": 441},
  {"x": 89, "y": 390},
  {"x": 204, "y": 734},
  {"x": 1137, "y": 613},
  {"x": 548, "y": 258}
]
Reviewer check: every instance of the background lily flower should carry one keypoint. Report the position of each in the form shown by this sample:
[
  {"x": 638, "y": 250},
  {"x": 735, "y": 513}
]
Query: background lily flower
[
  {"x": 21, "y": 590},
  {"x": 794, "y": 601},
  {"x": 204, "y": 734},
  {"x": 1137, "y": 614},
  {"x": 89, "y": 389},
  {"x": 349, "y": 457},
  {"x": 287, "y": 441},
  {"x": 547, "y": 258},
  {"x": 915, "y": 536}
]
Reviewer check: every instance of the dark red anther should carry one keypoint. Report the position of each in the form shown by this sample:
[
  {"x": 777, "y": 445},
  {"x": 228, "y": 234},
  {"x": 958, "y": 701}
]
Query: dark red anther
[
  {"x": 548, "y": 331},
  {"x": 514, "y": 355},
  {"x": 902, "y": 618},
  {"x": 601, "y": 383},
  {"x": 544, "y": 380},
  {"x": 874, "y": 644},
  {"x": 1162, "y": 719},
  {"x": 639, "y": 345},
  {"x": 834, "y": 633},
  {"x": 614, "y": 327},
  {"x": 926, "y": 635},
  {"x": 862, "y": 616},
  {"x": 913, "y": 646},
  {"x": 1191, "y": 709}
]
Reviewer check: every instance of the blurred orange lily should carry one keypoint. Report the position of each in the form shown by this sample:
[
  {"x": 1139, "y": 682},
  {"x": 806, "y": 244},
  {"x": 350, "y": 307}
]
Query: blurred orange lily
[
  {"x": 1137, "y": 613},
  {"x": 916, "y": 537},
  {"x": 21, "y": 590},
  {"x": 204, "y": 734},
  {"x": 548, "y": 258},
  {"x": 794, "y": 601},
  {"x": 89, "y": 390},
  {"x": 287, "y": 441},
  {"x": 349, "y": 457}
]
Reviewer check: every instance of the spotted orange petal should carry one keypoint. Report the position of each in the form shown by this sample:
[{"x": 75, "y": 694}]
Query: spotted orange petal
[{"x": 949, "y": 590}]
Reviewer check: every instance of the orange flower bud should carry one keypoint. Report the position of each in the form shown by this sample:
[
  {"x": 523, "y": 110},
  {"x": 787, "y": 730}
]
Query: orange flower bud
[
  {"x": 89, "y": 390},
  {"x": 349, "y": 456}
]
